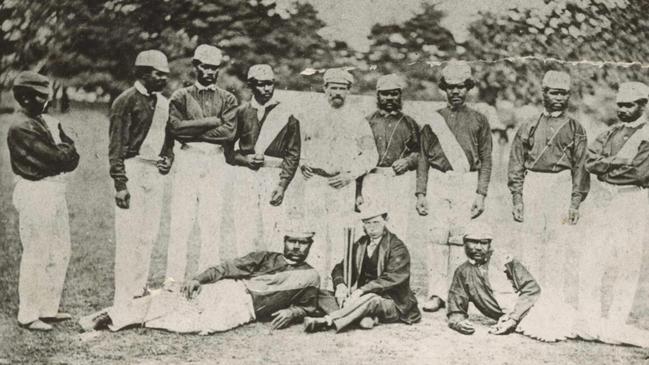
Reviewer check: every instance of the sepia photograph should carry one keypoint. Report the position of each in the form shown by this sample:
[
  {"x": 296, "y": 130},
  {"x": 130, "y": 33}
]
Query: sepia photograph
[{"x": 324, "y": 182}]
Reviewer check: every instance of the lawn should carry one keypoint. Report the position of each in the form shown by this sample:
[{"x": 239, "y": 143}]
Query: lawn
[{"x": 89, "y": 287}]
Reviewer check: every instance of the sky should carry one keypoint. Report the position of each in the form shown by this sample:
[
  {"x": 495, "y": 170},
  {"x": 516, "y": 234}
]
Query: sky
[{"x": 351, "y": 20}]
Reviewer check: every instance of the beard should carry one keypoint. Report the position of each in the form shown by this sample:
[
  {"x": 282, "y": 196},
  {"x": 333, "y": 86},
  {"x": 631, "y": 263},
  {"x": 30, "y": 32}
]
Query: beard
[{"x": 389, "y": 106}]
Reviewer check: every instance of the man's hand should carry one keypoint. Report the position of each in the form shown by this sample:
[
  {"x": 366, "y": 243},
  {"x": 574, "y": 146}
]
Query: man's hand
[
  {"x": 277, "y": 197},
  {"x": 422, "y": 204},
  {"x": 253, "y": 163},
  {"x": 518, "y": 212},
  {"x": 465, "y": 327},
  {"x": 191, "y": 289},
  {"x": 164, "y": 165},
  {"x": 307, "y": 172},
  {"x": 281, "y": 318},
  {"x": 123, "y": 199},
  {"x": 342, "y": 292},
  {"x": 400, "y": 166},
  {"x": 573, "y": 216},
  {"x": 504, "y": 326},
  {"x": 478, "y": 206},
  {"x": 341, "y": 180}
]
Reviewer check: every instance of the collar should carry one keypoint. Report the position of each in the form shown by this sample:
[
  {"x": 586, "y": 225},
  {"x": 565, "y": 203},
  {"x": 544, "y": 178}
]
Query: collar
[
  {"x": 637, "y": 123},
  {"x": 255, "y": 104},
  {"x": 459, "y": 109},
  {"x": 385, "y": 113},
  {"x": 200, "y": 87},
  {"x": 289, "y": 261},
  {"x": 141, "y": 88},
  {"x": 550, "y": 114}
]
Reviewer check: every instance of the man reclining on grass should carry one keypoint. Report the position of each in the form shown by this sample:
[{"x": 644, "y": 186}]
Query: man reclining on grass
[
  {"x": 503, "y": 290},
  {"x": 261, "y": 285}
]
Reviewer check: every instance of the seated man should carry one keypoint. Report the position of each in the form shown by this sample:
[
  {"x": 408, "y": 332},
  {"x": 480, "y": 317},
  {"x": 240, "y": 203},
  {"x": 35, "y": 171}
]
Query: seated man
[
  {"x": 380, "y": 282},
  {"x": 505, "y": 291},
  {"x": 261, "y": 285}
]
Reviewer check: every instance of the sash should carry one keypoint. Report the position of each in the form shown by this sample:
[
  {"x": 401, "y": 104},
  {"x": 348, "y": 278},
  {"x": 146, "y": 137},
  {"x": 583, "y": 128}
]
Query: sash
[
  {"x": 53, "y": 125},
  {"x": 154, "y": 139},
  {"x": 275, "y": 121},
  {"x": 630, "y": 148},
  {"x": 451, "y": 147}
]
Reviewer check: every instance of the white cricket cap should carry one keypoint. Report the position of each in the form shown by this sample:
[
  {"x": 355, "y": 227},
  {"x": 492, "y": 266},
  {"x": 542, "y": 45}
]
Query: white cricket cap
[{"x": 152, "y": 58}]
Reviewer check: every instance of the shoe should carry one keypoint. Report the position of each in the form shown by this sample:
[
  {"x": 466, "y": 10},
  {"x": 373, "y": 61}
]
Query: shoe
[
  {"x": 61, "y": 316},
  {"x": 37, "y": 325},
  {"x": 312, "y": 324},
  {"x": 97, "y": 321},
  {"x": 433, "y": 304},
  {"x": 367, "y": 323}
]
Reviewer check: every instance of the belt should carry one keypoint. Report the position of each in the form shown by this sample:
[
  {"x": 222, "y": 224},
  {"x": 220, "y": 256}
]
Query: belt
[
  {"x": 202, "y": 147},
  {"x": 621, "y": 188}
]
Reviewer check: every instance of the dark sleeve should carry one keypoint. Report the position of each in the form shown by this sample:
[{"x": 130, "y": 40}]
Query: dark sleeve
[
  {"x": 431, "y": 155},
  {"x": 305, "y": 303},
  {"x": 71, "y": 156},
  {"x": 168, "y": 145},
  {"x": 580, "y": 177},
  {"x": 227, "y": 123},
  {"x": 634, "y": 173},
  {"x": 527, "y": 288},
  {"x": 291, "y": 152},
  {"x": 233, "y": 157},
  {"x": 397, "y": 270},
  {"x": 186, "y": 122},
  {"x": 516, "y": 169},
  {"x": 597, "y": 162},
  {"x": 118, "y": 134},
  {"x": 413, "y": 145},
  {"x": 484, "y": 152},
  {"x": 458, "y": 300},
  {"x": 242, "y": 267},
  {"x": 50, "y": 158},
  {"x": 337, "y": 274}
]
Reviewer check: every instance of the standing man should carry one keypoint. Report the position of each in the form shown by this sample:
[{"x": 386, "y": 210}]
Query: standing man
[
  {"x": 202, "y": 117},
  {"x": 396, "y": 136},
  {"x": 619, "y": 158},
  {"x": 338, "y": 148},
  {"x": 41, "y": 153},
  {"x": 378, "y": 290},
  {"x": 547, "y": 159},
  {"x": 268, "y": 154},
  {"x": 137, "y": 131},
  {"x": 458, "y": 148}
]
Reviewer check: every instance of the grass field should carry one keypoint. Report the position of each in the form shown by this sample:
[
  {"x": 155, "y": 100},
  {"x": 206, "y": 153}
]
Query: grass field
[{"x": 89, "y": 287}]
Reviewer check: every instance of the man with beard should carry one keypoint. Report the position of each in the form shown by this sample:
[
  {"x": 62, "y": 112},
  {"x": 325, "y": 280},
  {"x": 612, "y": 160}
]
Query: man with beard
[
  {"x": 40, "y": 153},
  {"x": 501, "y": 288},
  {"x": 547, "y": 157},
  {"x": 378, "y": 290},
  {"x": 137, "y": 131},
  {"x": 263, "y": 285},
  {"x": 458, "y": 148},
  {"x": 396, "y": 136},
  {"x": 338, "y": 147},
  {"x": 202, "y": 117},
  {"x": 619, "y": 158},
  {"x": 268, "y": 154}
]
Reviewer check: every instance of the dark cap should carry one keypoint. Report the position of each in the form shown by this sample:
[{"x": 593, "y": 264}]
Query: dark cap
[{"x": 34, "y": 81}]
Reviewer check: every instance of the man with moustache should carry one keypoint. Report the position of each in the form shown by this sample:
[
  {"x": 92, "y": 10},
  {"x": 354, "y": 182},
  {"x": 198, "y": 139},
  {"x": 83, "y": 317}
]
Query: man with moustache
[
  {"x": 202, "y": 118},
  {"x": 266, "y": 158},
  {"x": 338, "y": 147},
  {"x": 547, "y": 162},
  {"x": 458, "y": 148},
  {"x": 619, "y": 158},
  {"x": 138, "y": 119},
  {"x": 396, "y": 136}
]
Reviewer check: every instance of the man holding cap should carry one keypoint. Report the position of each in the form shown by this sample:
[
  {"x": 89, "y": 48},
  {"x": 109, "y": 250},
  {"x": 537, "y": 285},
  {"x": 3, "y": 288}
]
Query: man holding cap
[
  {"x": 338, "y": 147},
  {"x": 547, "y": 162},
  {"x": 268, "y": 154},
  {"x": 396, "y": 136},
  {"x": 138, "y": 118},
  {"x": 40, "y": 153},
  {"x": 378, "y": 290},
  {"x": 458, "y": 148},
  {"x": 202, "y": 117},
  {"x": 619, "y": 158}
]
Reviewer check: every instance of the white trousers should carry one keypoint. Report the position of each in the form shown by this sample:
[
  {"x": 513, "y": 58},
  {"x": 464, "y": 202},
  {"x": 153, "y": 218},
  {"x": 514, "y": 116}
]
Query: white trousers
[
  {"x": 396, "y": 193},
  {"x": 136, "y": 229},
  {"x": 256, "y": 221},
  {"x": 545, "y": 231},
  {"x": 45, "y": 237},
  {"x": 197, "y": 197},
  {"x": 450, "y": 197},
  {"x": 617, "y": 232}
]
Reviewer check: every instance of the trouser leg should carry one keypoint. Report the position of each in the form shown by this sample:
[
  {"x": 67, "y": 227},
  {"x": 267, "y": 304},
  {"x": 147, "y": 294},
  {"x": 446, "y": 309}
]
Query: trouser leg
[
  {"x": 365, "y": 306},
  {"x": 245, "y": 211},
  {"x": 210, "y": 212}
]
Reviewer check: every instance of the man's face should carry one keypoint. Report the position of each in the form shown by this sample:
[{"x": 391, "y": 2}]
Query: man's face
[
  {"x": 206, "y": 74},
  {"x": 477, "y": 250},
  {"x": 155, "y": 81},
  {"x": 262, "y": 90},
  {"x": 297, "y": 249},
  {"x": 389, "y": 100},
  {"x": 375, "y": 227},
  {"x": 555, "y": 100},
  {"x": 456, "y": 94},
  {"x": 336, "y": 93},
  {"x": 34, "y": 103},
  {"x": 629, "y": 112}
]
